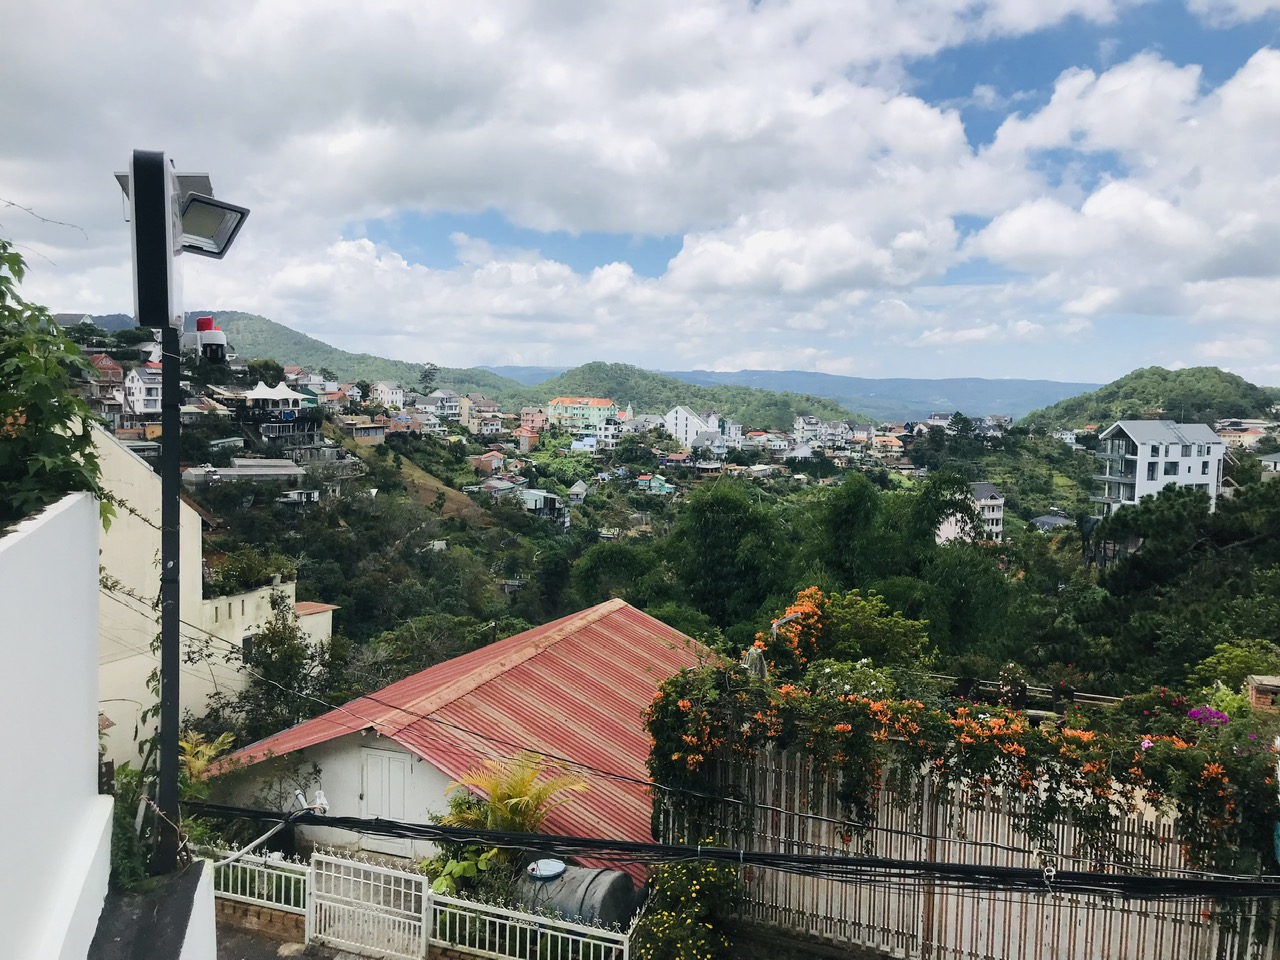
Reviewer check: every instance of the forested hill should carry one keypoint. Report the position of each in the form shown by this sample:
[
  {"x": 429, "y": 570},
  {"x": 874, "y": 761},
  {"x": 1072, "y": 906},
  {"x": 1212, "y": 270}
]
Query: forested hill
[
  {"x": 1192, "y": 395},
  {"x": 253, "y": 337},
  {"x": 650, "y": 392}
]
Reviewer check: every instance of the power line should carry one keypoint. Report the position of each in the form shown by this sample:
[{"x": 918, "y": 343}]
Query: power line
[
  {"x": 845, "y": 869},
  {"x": 591, "y": 770}
]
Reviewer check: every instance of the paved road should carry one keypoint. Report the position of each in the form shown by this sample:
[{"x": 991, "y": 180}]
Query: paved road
[{"x": 237, "y": 944}]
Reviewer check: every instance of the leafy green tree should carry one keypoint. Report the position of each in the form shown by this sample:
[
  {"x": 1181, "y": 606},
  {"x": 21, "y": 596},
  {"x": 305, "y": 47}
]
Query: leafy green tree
[
  {"x": 517, "y": 794},
  {"x": 87, "y": 335},
  {"x": 728, "y": 552},
  {"x": 610, "y": 569},
  {"x": 848, "y": 627},
  {"x": 1231, "y": 663},
  {"x": 427, "y": 379},
  {"x": 268, "y": 371},
  {"x": 46, "y": 447},
  {"x": 135, "y": 336},
  {"x": 844, "y": 535},
  {"x": 286, "y": 673}
]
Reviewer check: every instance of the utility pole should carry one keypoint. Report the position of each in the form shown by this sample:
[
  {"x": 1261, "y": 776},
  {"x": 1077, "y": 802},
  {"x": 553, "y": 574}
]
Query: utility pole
[
  {"x": 157, "y": 243},
  {"x": 170, "y": 213}
]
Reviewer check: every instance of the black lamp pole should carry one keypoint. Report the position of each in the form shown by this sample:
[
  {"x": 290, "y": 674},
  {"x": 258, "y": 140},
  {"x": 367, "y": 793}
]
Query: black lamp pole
[{"x": 157, "y": 238}]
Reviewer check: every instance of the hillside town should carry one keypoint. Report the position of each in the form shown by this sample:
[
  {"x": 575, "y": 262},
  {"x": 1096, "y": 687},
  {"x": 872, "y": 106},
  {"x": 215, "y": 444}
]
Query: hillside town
[
  {"x": 327, "y": 527},
  {"x": 771, "y": 480},
  {"x": 284, "y": 426}
]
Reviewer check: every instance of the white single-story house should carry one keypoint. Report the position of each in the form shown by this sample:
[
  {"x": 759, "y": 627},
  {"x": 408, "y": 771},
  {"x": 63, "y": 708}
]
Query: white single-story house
[{"x": 574, "y": 688}]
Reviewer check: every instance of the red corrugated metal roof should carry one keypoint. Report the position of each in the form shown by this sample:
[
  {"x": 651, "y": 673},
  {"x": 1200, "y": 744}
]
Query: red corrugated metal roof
[{"x": 574, "y": 688}]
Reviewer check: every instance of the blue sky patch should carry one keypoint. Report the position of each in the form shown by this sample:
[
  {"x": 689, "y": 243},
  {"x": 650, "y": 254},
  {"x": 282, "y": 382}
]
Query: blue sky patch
[{"x": 1022, "y": 70}]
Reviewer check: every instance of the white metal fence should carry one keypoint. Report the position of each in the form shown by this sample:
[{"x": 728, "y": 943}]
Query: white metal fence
[
  {"x": 491, "y": 931},
  {"x": 265, "y": 880},
  {"x": 381, "y": 912},
  {"x": 362, "y": 907}
]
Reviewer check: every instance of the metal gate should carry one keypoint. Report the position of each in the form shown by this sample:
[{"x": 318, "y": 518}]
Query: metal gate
[{"x": 364, "y": 908}]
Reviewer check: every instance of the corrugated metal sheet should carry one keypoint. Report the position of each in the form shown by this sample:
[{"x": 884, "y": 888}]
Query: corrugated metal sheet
[{"x": 573, "y": 688}]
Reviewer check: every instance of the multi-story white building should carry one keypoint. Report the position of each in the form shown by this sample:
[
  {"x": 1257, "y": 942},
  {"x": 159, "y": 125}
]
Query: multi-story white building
[
  {"x": 142, "y": 390},
  {"x": 388, "y": 394},
  {"x": 990, "y": 504},
  {"x": 608, "y": 433},
  {"x": 1140, "y": 458},
  {"x": 684, "y": 425},
  {"x": 822, "y": 433},
  {"x": 445, "y": 404}
]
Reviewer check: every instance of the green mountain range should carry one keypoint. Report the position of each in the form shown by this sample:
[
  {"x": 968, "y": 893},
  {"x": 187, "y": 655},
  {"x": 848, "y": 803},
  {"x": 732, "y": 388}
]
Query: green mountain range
[
  {"x": 650, "y": 392},
  {"x": 1191, "y": 395},
  {"x": 254, "y": 337},
  {"x": 775, "y": 397}
]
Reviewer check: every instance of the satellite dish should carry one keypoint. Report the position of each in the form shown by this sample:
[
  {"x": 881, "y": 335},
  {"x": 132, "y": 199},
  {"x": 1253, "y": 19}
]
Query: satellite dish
[{"x": 545, "y": 869}]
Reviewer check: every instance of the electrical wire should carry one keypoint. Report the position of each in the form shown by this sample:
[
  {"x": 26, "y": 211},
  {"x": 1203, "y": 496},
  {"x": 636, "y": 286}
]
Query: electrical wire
[
  {"x": 845, "y": 869},
  {"x": 1043, "y": 855},
  {"x": 687, "y": 791}
]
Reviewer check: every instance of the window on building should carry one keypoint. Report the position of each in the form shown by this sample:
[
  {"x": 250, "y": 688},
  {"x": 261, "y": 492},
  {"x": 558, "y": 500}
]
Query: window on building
[
  {"x": 1186, "y": 449},
  {"x": 1155, "y": 449},
  {"x": 1199, "y": 449},
  {"x": 1153, "y": 470},
  {"x": 1204, "y": 468},
  {"x": 246, "y": 648},
  {"x": 1171, "y": 468}
]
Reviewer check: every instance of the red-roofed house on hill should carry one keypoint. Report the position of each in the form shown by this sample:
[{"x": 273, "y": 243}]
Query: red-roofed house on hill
[
  {"x": 574, "y": 689},
  {"x": 581, "y": 413}
]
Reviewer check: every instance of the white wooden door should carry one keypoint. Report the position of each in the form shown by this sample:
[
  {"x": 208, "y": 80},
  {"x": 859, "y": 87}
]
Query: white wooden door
[{"x": 384, "y": 782}]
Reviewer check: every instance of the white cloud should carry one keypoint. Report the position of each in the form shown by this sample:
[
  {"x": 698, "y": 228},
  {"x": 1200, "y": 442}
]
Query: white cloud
[
  {"x": 815, "y": 195},
  {"x": 940, "y": 336},
  {"x": 1225, "y": 13},
  {"x": 1234, "y": 349}
]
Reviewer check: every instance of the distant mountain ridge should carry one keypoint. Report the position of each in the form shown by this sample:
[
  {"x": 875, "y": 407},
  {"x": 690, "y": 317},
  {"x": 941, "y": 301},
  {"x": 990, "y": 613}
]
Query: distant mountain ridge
[
  {"x": 820, "y": 394},
  {"x": 904, "y": 398},
  {"x": 894, "y": 398}
]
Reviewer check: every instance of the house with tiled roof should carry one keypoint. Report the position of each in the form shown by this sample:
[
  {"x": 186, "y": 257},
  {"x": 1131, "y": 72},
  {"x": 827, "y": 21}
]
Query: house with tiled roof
[
  {"x": 575, "y": 688},
  {"x": 106, "y": 389},
  {"x": 526, "y": 438},
  {"x": 142, "y": 391}
]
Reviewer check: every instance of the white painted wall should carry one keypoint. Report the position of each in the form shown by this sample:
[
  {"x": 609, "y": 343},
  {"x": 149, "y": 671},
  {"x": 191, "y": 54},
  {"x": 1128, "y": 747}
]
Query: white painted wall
[
  {"x": 317, "y": 626},
  {"x": 341, "y": 778},
  {"x": 54, "y": 876},
  {"x": 201, "y": 942}
]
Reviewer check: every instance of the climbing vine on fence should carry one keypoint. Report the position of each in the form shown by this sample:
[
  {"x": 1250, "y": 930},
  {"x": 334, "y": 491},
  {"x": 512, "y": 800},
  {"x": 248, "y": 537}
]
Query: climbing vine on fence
[{"x": 1095, "y": 765}]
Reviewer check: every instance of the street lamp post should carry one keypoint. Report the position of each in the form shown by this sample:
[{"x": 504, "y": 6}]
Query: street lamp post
[{"x": 170, "y": 213}]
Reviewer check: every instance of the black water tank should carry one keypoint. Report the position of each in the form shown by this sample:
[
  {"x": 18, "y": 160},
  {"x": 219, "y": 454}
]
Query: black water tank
[{"x": 580, "y": 893}]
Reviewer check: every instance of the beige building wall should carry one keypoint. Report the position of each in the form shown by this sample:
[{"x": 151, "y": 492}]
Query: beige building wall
[{"x": 130, "y": 582}]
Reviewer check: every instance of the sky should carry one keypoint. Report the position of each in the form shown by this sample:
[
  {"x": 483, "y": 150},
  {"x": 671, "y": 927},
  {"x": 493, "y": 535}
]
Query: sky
[{"x": 1059, "y": 189}]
